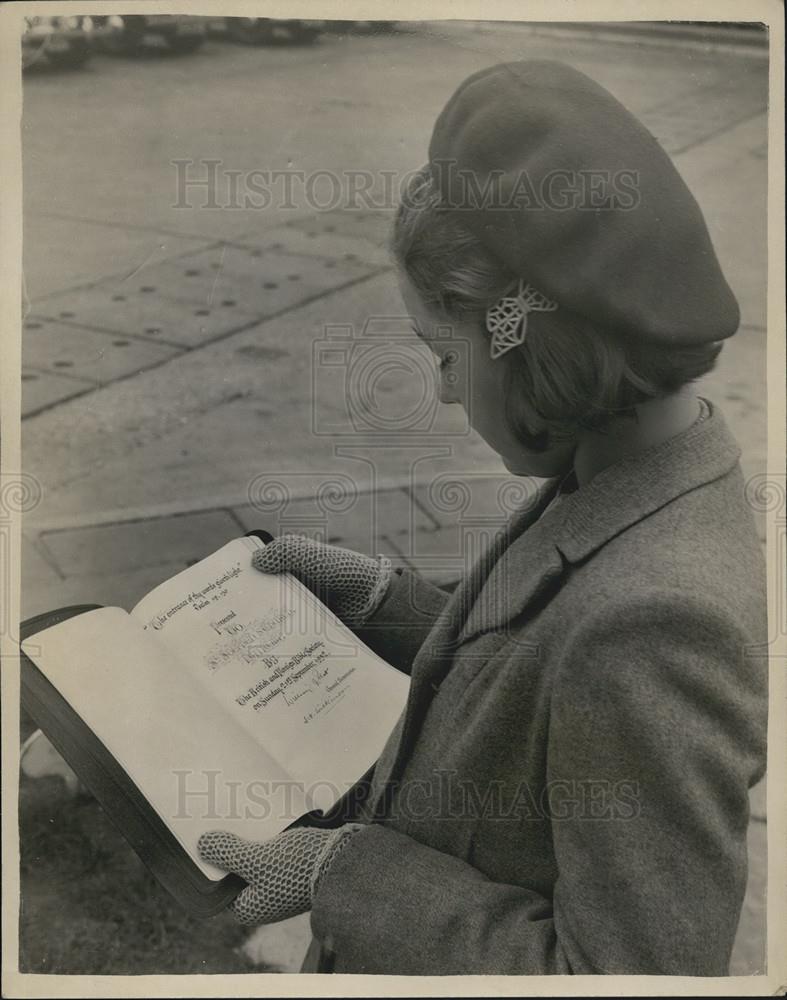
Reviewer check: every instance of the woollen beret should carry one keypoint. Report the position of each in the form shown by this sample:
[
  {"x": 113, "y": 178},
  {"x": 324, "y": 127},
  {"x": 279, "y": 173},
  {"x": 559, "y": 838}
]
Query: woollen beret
[{"x": 572, "y": 193}]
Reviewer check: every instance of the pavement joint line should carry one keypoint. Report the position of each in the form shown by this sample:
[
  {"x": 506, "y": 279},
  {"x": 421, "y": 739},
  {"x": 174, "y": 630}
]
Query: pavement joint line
[
  {"x": 425, "y": 510},
  {"x": 69, "y": 375},
  {"x": 727, "y": 127},
  {"x": 257, "y": 321},
  {"x": 682, "y": 98},
  {"x": 242, "y": 245},
  {"x": 95, "y": 328},
  {"x": 96, "y": 386},
  {"x": 65, "y": 575},
  {"x": 137, "y": 519},
  {"x": 760, "y": 51},
  {"x": 235, "y": 518},
  {"x": 210, "y": 244},
  {"x": 41, "y": 548},
  {"x": 59, "y": 402},
  {"x": 300, "y": 253},
  {"x": 124, "y": 275},
  {"x": 205, "y": 505},
  {"x": 66, "y": 217}
]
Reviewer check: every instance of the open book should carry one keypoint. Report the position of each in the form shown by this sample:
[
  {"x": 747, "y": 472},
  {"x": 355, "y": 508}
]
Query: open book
[{"x": 226, "y": 699}]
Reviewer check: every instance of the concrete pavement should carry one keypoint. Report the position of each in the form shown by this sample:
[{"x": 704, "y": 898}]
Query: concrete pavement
[
  {"x": 216, "y": 384},
  {"x": 176, "y": 389}
]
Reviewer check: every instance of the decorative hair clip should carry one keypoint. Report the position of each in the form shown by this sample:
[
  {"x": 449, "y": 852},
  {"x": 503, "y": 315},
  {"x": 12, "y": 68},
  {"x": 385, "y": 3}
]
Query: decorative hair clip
[{"x": 506, "y": 320}]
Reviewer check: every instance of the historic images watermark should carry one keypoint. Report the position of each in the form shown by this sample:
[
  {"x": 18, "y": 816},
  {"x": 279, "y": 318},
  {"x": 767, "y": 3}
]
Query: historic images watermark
[
  {"x": 379, "y": 381},
  {"x": 20, "y": 493},
  {"x": 766, "y": 495},
  {"x": 213, "y": 185},
  {"x": 210, "y": 796},
  {"x": 375, "y": 393}
]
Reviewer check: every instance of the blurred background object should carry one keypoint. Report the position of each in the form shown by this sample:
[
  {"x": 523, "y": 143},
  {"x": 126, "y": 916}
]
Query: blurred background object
[
  {"x": 360, "y": 27},
  {"x": 60, "y": 41},
  {"x": 128, "y": 34},
  {"x": 267, "y": 30}
]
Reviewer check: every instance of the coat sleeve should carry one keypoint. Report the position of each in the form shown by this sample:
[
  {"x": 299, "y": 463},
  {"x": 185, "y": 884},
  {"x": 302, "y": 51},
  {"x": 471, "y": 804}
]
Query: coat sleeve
[
  {"x": 396, "y": 631},
  {"x": 657, "y": 730}
]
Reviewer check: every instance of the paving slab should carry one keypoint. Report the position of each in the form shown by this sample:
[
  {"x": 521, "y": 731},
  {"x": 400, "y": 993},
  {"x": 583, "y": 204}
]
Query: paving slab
[
  {"x": 118, "y": 588},
  {"x": 444, "y": 555},
  {"x": 41, "y": 390},
  {"x": 62, "y": 250},
  {"x": 353, "y": 519},
  {"x": 35, "y": 567},
  {"x": 200, "y": 297},
  {"x": 321, "y": 242},
  {"x": 728, "y": 177},
  {"x": 254, "y": 86},
  {"x": 470, "y": 509},
  {"x": 228, "y": 412},
  {"x": 641, "y": 75},
  {"x": 90, "y": 355},
  {"x": 113, "y": 307},
  {"x": 136, "y": 544},
  {"x": 260, "y": 282},
  {"x": 682, "y": 121},
  {"x": 459, "y": 495},
  {"x": 352, "y": 220}
]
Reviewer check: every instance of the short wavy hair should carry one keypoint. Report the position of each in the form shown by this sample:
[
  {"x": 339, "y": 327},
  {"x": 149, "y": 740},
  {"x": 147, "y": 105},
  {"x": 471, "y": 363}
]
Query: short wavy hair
[{"x": 572, "y": 374}]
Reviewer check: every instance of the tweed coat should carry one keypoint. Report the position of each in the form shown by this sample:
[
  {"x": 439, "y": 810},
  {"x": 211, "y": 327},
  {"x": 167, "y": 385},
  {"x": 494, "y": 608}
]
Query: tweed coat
[{"x": 566, "y": 791}]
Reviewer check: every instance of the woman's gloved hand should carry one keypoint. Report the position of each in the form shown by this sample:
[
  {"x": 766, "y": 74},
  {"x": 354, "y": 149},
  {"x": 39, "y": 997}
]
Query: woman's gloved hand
[
  {"x": 351, "y": 584},
  {"x": 283, "y": 873}
]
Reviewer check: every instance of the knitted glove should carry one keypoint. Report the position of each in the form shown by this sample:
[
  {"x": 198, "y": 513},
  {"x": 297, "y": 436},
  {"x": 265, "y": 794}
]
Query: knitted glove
[
  {"x": 351, "y": 584},
  {"x": 283, "y": 873}
]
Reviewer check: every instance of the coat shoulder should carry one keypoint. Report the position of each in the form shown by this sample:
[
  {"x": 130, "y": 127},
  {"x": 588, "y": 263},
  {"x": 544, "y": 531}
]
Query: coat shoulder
[{"x": 700, "y": 546}]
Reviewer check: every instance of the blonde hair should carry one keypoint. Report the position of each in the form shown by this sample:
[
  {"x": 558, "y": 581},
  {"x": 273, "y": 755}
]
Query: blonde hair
[{"x": 571, "y": 374}]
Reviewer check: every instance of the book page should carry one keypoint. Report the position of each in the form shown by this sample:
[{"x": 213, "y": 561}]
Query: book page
[
  {"x": 282, "y": 665},
  {"x": 195, "y": 766}
]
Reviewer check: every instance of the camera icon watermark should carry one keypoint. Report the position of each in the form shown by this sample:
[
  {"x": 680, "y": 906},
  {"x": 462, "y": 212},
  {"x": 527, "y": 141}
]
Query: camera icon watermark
[{"x": 380, "y": 381}]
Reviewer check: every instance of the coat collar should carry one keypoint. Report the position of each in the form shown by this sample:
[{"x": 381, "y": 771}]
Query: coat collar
[
  {"x": 525, "y": 564},
  {"x": 435, "y": 656}
]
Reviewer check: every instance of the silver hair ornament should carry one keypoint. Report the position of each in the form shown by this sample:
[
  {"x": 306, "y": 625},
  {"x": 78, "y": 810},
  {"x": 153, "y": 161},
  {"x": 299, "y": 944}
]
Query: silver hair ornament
[{"x": 506, "y": 320}]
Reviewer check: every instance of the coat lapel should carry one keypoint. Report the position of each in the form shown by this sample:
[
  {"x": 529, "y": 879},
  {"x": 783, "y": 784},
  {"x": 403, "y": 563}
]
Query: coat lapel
[
  {"x": 529, "y": 557},
  {"x": 637, "y": 486},
  {"x": 436, "y": 655},
  {"x": 474, "y": 599},
  {"x": 583, "y": 521},
  {"x": 528, "y": 567}
]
